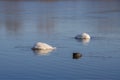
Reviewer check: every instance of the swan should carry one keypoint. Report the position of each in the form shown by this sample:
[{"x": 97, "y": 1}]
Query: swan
[
  {"x": 42, "y": 46},
  {"x": 83, "y": 36}
]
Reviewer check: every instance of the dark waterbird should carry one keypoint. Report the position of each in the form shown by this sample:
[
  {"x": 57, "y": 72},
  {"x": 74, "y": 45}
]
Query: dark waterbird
[{"x": 76, "y": 55}]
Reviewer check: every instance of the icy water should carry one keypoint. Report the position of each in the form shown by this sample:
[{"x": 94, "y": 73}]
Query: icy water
[{"x": 23, "y": 23}]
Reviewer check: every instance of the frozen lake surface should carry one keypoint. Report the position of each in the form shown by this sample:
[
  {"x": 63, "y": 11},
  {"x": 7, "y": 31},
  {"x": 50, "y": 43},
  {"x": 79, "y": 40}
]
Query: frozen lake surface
[{"x": 23, "y": 23}]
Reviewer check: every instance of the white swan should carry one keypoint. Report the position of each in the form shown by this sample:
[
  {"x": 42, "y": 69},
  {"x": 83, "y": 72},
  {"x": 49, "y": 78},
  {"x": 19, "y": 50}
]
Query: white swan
[
  {"x": 82, "y": 36},
  {"x": 42, "y": 46}
]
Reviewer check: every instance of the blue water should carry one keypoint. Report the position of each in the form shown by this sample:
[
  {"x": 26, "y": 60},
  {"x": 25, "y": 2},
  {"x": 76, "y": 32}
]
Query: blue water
[{"x": 23, "y": 23}]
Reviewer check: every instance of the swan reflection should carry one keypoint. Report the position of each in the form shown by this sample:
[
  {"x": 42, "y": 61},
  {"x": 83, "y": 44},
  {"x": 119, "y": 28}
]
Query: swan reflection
[
  {"x": 85, "y": 41},
  {"x": 42, "y": 52}
]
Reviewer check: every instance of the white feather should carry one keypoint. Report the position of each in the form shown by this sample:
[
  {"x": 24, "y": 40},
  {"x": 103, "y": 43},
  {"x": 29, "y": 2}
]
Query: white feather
[{"x": 43, "y": 46}]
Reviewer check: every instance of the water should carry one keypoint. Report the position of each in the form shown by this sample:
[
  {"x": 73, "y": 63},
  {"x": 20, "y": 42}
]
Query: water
[{"x": 23, "y": 23}]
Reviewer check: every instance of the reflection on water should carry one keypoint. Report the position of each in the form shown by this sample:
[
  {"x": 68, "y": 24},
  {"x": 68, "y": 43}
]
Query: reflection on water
[
  {"x": 9, "y": 17},
  {"x": 84, "y": 41},
  {"x": 24, "y": 22},
  {"x": 42, "y": 52},
  {"x": 16, "y": 15}
]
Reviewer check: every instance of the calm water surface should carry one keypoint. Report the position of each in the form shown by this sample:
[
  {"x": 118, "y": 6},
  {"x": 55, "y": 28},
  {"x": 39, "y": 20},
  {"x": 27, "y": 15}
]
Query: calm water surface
[{"x": 23, "y": 23}]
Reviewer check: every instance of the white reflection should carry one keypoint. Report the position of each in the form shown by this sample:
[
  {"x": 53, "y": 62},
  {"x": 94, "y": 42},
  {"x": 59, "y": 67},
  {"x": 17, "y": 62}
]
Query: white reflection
[
  {"x": 85, "y": 41},
  {"x": 42, "y": 52}
]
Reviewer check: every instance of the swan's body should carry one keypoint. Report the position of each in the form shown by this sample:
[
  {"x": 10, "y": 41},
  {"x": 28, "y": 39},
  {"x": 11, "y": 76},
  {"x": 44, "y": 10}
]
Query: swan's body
[
  {"x": 83, "y": 36},
  {"x": 42, "y": 46}
]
